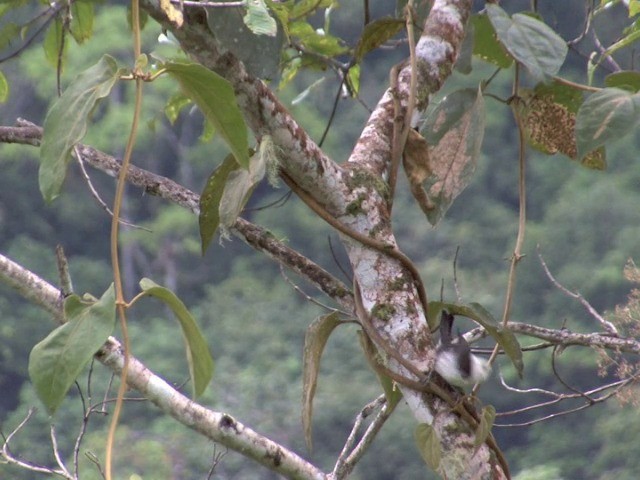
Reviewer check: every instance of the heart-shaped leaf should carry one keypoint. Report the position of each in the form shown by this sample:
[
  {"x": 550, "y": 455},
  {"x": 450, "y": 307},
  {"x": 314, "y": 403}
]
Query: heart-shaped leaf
[{"x": 56, "y": 361}]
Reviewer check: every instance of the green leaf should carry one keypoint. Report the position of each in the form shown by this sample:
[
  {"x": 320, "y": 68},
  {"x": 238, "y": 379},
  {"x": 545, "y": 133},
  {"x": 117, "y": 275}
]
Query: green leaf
[
  {"x": 391, "y": 392},
  {"x": 375, "y": 34},
  {"x": 238, "y": 189},
  {"x": 4, "y": 88},
  {"x": 487, "y": 418},
  {"x": 81, "y": 26},
  {"x": 428, "y": 445},
  {"x": 630, "y": 36},
  {"x": 353, "y": 77},
  {"x": 454, "y": 131},
  {"x": 530, "y": 41},
  {"x": 321, "y": 43},
  {"x": 198, "y": 354},
  {"x": 307, "y": 7},
  {"x": 56, "y": 362},
  {"x": 627, "y": 80},
  {"x": 175, "y": 105},
  {"x": 258, "y": 19},
  {"x": 486, "y": 44},
  {"x": 503, "y": 336},
  {"x": 215, "y": 98},
  {"x": 209, "y": 217},
  {"x": 52, "y": 43},
  {"x": 66, "y": 122},
  {"x": 315, "y": 340},
  {"x": 605, "y": 116},
  {"x": 8, "y": 33}
]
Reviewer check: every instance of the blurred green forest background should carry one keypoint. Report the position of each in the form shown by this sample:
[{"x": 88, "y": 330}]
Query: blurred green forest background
[{"x": 586, "y": 224}]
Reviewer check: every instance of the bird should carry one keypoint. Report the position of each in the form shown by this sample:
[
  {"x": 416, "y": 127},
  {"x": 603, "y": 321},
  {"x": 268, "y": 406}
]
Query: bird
[{"x": 454, "y": 360}]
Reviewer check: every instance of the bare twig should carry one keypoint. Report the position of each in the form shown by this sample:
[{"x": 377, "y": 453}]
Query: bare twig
[
  {"x": 352, "y": 451},
  {"x": 608, "y": 326},
  {"x": 10, "y": 458}
]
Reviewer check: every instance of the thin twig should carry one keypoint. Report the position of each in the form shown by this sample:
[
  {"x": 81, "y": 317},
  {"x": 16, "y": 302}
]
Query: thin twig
[
  {"x": 56, "y": 451},
  {"x": 307, "y": 297},
  {"x": 350, "y": 454},
  {"x": 608, "y": 326},
  {"x": 96, "y": 195}
]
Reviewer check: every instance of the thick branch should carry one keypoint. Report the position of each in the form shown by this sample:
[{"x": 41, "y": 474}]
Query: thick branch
[
  {"x": 217, "y": 426},
  {"x": 299, "y": 155}
]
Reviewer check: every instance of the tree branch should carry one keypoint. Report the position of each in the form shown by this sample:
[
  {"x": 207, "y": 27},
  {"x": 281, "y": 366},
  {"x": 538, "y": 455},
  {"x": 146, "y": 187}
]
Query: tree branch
[
  {"x": 217, "y": 426},
  {"x": 29, "y": 134}
]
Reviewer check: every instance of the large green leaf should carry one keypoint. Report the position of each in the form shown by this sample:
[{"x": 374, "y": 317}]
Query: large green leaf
[
  {"x": 530, "y": 41},
  {"x": 56, "y": 362},
  {"x": 606, "y": 115},
  {"x": 215, "y": 98},
  {"x": 198, "y": 354},
  {"x": 454, "y": 131},
  {"x": 66, "y": 122},
  {"x": 315, "y": 340},
  {"x": 503, "y": 336},
  {"x": 209, "y": 218}
]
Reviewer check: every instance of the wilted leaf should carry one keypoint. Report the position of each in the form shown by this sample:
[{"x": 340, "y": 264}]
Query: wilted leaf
[
  {"x": 198, "y": 354},
  {"x": 605, "y": 116},
  {"x": 215, "y": 98},
  {"x": 549, "y": 117},
  {"x": 530, "y": 41},
  {"x": 258, "y": 20},
  {"x": 486, "y": 424},
  {"x": 173, "y": 13},
  {"x": 238, "y": 189},
  {"x": 315, "y": 340},
  {"x": 464, "y": 61},
  {"x": 56, "y": 361},
  {"x": 209, "y": 218},
  {"x": 454, "y": 131},
  {"x": 428, "y": 445},
  {"x": 66, "y": 122},
  {"x": 375, "y": 34},
  {"x": 486, "y": 44}
]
